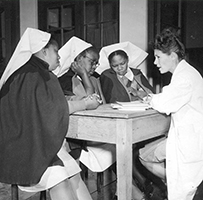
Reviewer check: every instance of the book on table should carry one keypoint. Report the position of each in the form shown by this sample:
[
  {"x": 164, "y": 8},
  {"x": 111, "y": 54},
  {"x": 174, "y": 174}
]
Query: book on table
[{"x": 131, "y": 106}]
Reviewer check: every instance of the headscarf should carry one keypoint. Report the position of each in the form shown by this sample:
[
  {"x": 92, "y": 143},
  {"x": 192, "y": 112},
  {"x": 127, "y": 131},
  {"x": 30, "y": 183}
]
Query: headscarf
[
  {"x": 68, "y": 52},
  {"x": 135, "y": 54},
  {"x": 32, "y": 41}
]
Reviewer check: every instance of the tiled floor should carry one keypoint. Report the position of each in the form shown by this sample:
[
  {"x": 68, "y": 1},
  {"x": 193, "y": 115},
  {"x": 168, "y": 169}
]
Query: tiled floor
[{"x": 107, "y": 190}]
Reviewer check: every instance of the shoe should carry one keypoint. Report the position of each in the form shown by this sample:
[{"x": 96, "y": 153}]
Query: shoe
[
  {"x": 115, "y": 197},
  {"x": 156, "y": 194},
  {"x": 148, "y": 188}
]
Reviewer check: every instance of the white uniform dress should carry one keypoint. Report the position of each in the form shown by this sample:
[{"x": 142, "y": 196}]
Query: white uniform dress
[
  {"x": 56, "y": 174},
  {"x": 183, "y": 99}
]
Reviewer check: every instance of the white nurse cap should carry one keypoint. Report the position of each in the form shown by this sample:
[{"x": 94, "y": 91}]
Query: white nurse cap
[
  {"x": 135, "y": 54},
  {"x": 32, "y": 41},
  {"x": 68, "y": 52}
]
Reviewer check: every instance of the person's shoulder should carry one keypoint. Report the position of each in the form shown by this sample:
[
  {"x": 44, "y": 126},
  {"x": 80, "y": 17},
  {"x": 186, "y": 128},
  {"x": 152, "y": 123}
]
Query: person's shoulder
[
  {"x": 68, "y": 75},
  {"x": 96, "y": 75},
  {"x": 107, "y": 72},
  {"x": 33, "y": 65}
]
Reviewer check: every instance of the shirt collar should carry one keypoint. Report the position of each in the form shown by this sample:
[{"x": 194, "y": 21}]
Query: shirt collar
[{"x": 129, "y": 75}]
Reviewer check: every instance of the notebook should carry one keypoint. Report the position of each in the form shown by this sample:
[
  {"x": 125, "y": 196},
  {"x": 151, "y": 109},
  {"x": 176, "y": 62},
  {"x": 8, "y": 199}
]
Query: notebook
[{"x": 130, "y": 106}]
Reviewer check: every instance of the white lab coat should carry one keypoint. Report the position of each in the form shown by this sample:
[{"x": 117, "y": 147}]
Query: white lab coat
[{"x": 183, "y": 99}]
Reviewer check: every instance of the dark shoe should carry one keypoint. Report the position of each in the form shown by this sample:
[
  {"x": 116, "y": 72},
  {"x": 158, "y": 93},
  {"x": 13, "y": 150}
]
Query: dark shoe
[
  {"x": 148, "y": 188},
  {"x": 115, "y": 197},
  {"x": 156, "y": 194}
]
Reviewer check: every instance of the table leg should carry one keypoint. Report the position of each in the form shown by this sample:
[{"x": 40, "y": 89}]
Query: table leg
[{"x": 124, "y": 159}]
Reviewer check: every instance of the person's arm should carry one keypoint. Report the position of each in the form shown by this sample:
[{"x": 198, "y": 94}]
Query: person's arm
[
  {"x": 106, "y": 87},
  {"x": 143, "y": 82},
  {"x": 82, "y": 72},
  {"x": 88, "y": 103}
]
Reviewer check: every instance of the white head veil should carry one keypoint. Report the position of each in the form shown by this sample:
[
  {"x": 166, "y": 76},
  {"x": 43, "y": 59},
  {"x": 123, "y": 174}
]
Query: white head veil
[
  {"x": 68, "y": 52},
  {"x": 32, "y": 41},
  {"x": 135, "y": 54}
]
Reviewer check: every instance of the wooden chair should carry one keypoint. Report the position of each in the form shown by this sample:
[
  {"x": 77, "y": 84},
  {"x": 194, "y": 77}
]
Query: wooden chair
[{"x": 14, "y": 193}]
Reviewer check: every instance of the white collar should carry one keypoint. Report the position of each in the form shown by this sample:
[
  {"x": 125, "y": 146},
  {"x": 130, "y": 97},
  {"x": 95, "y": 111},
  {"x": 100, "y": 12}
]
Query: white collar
[{"x": 129, "y": 75}]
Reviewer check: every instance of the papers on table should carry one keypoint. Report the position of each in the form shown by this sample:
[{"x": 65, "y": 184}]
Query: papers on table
[{"x": 130, "y": 106}]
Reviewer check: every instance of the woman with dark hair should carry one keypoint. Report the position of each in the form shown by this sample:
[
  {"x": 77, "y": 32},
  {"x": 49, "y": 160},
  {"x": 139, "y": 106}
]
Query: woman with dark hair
[
  {"x": 122, "y": 83},
  {"x": 183, "y": 99}
]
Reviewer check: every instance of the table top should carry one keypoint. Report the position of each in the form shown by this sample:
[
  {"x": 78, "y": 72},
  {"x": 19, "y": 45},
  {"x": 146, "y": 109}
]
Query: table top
[
  {"x": 108, "y": 112},
  {"x": 103, "y": 124}
]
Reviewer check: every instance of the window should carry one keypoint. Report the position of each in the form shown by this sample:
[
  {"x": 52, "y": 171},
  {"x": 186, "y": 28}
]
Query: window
[
  {"x": 9, "y": 31},
  {"x": 101, "y": 22},
  {"x": 95, "y": 21},
  {"x": 61, "y": 22},
  {"x": 2, "y": 36}
]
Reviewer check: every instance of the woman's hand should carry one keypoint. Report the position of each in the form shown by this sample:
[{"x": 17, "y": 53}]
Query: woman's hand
[
  {"x": 78, "y": 68},
  {"x": 147, "y": 99},
  {"x": 132, "y": 91},
  {"x": 92, "y": 101}
]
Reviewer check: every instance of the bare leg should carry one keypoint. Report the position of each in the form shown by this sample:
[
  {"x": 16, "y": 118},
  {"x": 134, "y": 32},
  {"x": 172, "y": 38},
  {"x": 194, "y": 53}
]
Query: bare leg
[
  {"x": 80, "y": 188},
  {"x": 141, "y": 180},
  {"x": 62, "y": 191}
]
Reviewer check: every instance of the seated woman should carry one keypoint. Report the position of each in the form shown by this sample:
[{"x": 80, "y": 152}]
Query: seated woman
[
  {"x": 121, "y": 81},
  {"x": 34, "y": 118},
  {"x": 183, "y": 99},
  {"x": 78, "y": 62}
]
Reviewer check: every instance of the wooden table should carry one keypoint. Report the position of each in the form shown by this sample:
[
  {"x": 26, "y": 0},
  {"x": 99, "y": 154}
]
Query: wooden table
[{"x": 122, "y": 128}]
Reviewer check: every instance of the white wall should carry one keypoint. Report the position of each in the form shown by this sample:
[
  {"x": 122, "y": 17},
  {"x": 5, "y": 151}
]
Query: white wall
[
  {"x": 133, "y": 24},
  {"x": 28, "y": 14}
]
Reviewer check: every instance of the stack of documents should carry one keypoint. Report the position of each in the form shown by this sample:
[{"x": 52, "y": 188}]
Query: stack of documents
[{"x": 131, "y": 106}]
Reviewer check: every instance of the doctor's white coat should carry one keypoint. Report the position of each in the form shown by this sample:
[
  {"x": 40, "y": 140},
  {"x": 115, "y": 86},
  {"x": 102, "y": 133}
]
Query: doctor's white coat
[{"x": 183, "y": 99}]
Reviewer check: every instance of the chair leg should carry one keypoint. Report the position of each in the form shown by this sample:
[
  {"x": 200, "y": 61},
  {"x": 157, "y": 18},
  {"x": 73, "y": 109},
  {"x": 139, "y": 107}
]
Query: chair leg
[
  {"x": 43, "y": 195},
  {"x": 84, "y": 172},
  {"x": 100, "y": 181},
  {"x": 14, "y": 192}
]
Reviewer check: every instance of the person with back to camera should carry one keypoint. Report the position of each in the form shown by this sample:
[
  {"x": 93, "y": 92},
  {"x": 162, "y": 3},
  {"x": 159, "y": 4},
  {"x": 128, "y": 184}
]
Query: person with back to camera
[
  {"x": 120, "y": 82},
  {"x": 183, "y": 100},
  {"x": 34, "y": 118}
]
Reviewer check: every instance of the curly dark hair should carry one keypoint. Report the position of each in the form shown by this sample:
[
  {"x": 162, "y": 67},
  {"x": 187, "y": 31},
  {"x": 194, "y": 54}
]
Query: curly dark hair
[{"x": 168, "y": 41}]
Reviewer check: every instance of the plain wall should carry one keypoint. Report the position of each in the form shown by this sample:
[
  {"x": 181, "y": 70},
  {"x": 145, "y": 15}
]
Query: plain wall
[
  {"x": 133, "y": 24},
  {"x": 28, "y": 14}
]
